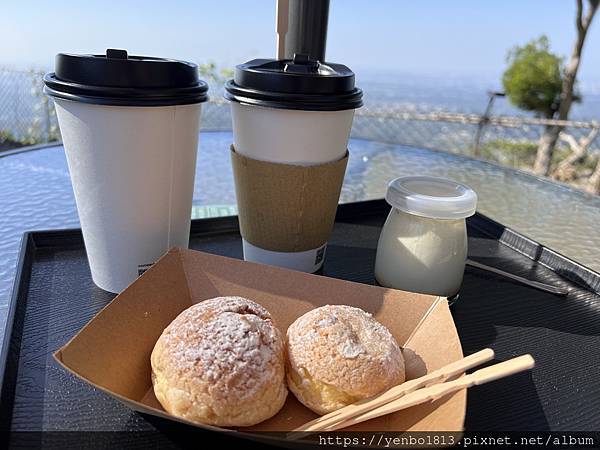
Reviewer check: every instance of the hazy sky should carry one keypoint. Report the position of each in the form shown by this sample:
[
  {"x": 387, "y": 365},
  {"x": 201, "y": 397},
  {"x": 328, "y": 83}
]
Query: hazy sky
[{"x": 435, "y": 36}]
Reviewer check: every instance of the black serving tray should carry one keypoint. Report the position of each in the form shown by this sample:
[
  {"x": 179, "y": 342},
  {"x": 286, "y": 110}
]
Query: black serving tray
[{"x": 54, "y": 297}]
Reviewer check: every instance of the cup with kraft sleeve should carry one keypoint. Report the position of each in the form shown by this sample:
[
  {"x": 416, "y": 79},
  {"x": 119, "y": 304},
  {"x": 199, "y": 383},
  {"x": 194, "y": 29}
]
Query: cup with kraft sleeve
[{"x": 291, "y": 126}]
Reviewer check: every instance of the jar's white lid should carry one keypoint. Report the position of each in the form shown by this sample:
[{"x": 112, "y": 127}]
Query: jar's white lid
[{"x": 436, "y": 198}]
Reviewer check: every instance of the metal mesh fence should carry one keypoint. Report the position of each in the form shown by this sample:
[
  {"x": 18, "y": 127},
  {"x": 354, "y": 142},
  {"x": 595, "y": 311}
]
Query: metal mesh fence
[{"x": 27, "y": 117}]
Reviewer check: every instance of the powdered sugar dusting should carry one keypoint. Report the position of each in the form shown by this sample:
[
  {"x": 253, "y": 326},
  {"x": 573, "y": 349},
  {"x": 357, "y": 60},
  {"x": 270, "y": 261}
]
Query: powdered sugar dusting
[
  {"x": 350, "y": 349},
  {"x": 230, "y": 342},
  {"x": 327, "y": 321},
  {"x": 346, "y": 347}
]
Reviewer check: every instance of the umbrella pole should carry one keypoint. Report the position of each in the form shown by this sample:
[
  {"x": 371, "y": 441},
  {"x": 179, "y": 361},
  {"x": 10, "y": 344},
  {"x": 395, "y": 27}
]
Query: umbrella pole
[{"x": 302, "y": 28}]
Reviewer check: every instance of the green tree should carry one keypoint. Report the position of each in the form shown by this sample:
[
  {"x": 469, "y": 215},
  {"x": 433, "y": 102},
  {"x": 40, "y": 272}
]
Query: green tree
[
  {"x": 537, "y": 80},
  {"x": 210, "y": 71},
  {"x": 533, "y": 79},
  {"x": 583, "y": 20},
  {"x": 562, "y": 106}
]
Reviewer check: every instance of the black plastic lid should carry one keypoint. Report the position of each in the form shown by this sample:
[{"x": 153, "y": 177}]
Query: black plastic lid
[
  {"x": 124, "y": 80},
  {"x": 301, "y": 83}
]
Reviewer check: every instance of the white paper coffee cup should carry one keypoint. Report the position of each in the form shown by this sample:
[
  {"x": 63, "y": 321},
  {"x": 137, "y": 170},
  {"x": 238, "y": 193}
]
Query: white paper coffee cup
[
  {"x": 130, "y": 128},
  {"x": 294, "y": 112},
  {"x": 132, "y": 170}
]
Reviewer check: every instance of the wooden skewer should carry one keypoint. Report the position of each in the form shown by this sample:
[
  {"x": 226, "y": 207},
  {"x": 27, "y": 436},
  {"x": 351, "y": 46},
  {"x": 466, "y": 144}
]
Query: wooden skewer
[
  {"x": 437, "y": 376},
  {"x": 431, "y": 393}
]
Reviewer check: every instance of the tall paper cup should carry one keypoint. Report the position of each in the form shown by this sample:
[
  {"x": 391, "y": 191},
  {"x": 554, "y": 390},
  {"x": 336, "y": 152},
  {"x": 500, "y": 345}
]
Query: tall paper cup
[
  {"x": 133, "y": 172},
  {"x": 132, "y": 168},
  {"x": 291, "y": 125}
]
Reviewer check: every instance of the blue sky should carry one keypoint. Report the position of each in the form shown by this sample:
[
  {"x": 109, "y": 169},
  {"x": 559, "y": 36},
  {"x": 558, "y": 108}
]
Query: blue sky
[{"x": 433, "y": 37}]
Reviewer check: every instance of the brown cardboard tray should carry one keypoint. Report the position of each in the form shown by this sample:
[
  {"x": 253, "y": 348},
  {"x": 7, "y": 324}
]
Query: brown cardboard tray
[{"x": 123, "y": 334}]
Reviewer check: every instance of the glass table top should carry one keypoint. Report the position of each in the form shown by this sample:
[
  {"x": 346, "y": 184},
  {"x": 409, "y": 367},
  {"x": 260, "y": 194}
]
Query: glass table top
[{"x": 36, "y": 194}]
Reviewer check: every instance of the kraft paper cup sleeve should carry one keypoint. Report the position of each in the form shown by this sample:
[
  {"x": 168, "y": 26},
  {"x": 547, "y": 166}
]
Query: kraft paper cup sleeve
[{"x": 286, "y": 207}]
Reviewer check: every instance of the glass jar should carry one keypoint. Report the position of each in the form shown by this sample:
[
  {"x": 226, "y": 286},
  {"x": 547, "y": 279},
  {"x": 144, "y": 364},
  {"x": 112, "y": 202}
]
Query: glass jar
[{"x": 423, "y": 244}]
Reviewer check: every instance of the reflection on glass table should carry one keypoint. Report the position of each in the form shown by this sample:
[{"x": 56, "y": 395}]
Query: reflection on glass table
[{"x": 36, "y": 193}]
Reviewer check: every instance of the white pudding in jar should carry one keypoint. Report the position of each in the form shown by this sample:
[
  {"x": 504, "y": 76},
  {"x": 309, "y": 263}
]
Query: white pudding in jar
[{"x": 423, "y": 244}]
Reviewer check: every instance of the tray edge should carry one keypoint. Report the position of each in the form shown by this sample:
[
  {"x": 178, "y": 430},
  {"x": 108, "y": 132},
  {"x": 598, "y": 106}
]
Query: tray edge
[
  {"x": 567, "y": 268},
  {"x": 20, "y": 285}
]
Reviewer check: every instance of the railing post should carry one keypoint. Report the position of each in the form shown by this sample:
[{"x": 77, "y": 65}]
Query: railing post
[{"x": 484, "y": 120}]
